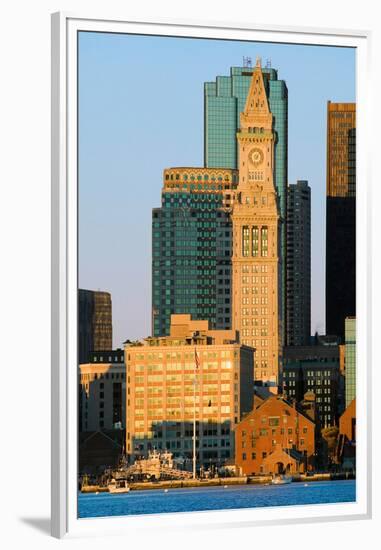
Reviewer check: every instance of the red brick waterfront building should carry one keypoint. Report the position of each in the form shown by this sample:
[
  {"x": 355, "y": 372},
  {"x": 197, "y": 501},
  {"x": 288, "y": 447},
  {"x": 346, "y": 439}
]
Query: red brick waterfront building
[{"x": 275, "y": 437}]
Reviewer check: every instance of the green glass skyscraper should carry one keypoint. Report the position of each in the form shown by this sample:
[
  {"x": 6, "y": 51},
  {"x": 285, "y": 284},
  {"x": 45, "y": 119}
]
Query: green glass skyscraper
[
  {"x": 192, "y": 230},
  {"x": 191, "y": 247},
  {"x": 224, "y": 100}
]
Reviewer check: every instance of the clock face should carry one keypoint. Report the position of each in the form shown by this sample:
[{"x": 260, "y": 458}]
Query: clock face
[{"x": 256, "y": 156}]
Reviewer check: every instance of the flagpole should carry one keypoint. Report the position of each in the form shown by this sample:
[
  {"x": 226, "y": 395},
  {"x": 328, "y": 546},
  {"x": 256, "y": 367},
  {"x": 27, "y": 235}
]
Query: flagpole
[{"x": 194, "y": 415}]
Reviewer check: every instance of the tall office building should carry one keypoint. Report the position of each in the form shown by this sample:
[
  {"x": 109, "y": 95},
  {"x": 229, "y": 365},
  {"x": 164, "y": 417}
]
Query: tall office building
[
  {"x": 255, "y": 223},
  {"x": 94, "y": 323},
  {"x": 224, "y": 100},
  {"x": 298, "y": 264},
  {"x": 314, "y": 369},
  {"x": 191, "y": 241},
  {"x": 341, "y": 216},
  {"x": 350, "y": 360}
]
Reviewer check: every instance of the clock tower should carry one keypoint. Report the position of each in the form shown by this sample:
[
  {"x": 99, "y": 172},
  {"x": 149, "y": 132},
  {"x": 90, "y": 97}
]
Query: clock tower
[{"x": 255, "y": 219}]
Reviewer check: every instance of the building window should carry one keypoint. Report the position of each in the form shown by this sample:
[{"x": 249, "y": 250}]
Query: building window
[
  {"x": 243, "y": 456},
  {"x": 264, "y": 241},
  {"x": 274, "y": 421},
  {"x": 255, "y": 241},
  {"x": 245, "y": 241}
]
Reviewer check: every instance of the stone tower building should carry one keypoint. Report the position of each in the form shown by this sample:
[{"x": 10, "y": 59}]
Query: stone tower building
[{"x": 255, "y": 227}]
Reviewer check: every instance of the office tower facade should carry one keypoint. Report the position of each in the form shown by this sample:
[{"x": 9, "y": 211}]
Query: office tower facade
[
  {"x": 255, "y": 225},
  {"x": 341, "y": 216},
  {"x": 314, "y": 369},
  {"x": 224, "y": 100},
  {"x": 298, "y": 309},
  {"x": 193, "y": 372},
  {"x": 191, "y": 241},
  {"x": 94, "y": 322},
  {"x": 350, "y": 360}
]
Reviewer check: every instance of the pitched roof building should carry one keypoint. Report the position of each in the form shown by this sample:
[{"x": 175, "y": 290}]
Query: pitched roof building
[{"x": 275, "y": 437}]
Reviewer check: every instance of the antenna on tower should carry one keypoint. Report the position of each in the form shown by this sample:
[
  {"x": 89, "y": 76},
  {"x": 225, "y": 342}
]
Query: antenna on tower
[
  {"x": 268, "y": 64},
  {"x": 247, "y": 61}
]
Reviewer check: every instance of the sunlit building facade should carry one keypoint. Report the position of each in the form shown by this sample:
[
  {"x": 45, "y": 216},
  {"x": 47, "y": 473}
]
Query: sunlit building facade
[
  {"x": 256, "y": 229},
  {"x": 350, "y": 360},
  {"x": 194, "y": 373},
  {"x": 276, "y": 437},
  {"x": 224, "y": 101}
]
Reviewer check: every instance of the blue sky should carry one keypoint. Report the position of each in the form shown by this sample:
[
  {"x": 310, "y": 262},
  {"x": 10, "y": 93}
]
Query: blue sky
[{"x": 141, "y": 110}]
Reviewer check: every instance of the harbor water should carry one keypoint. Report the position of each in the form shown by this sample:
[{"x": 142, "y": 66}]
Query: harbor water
[{"x": 159, "y": 501}]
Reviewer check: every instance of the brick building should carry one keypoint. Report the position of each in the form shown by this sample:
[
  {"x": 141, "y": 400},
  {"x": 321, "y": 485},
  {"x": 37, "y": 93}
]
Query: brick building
[{"x": 275, "y": 437}]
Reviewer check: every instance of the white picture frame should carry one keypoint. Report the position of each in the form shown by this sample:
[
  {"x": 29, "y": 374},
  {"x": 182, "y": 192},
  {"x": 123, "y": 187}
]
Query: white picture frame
[{"x": 64, "y": 276}]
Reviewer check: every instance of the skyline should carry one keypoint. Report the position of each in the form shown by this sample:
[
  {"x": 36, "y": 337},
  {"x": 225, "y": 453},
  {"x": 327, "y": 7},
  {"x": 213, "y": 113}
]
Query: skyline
[{"x": 113, "y": 124}]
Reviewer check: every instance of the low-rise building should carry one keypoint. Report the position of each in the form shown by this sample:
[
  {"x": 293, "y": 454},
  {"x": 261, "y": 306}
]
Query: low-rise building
[
  {"x": 192, "y": 374},
  {"x": 98, "y": 450},
  {"x": 275, "y": 437},
  {"x": 102, "y": 392}
]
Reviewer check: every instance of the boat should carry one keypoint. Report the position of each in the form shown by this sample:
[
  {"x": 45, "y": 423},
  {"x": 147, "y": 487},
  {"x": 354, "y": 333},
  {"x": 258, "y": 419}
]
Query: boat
[
  {"x": 281, "y": 479},
  {"x": 159, "y": 465},
  {"x": 118, "y": 485}
]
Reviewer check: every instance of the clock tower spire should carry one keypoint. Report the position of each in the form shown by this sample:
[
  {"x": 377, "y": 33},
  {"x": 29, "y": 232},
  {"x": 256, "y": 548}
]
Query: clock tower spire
[{"x": 255, "y": 219}]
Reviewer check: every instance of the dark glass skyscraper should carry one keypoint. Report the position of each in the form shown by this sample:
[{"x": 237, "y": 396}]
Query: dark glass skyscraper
[
  {"x": 298, "y": 264},
  {"x": 94, "y": 323},
  {"x": 224, "y": 100},
  {"x": 341, "y": 217}
]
